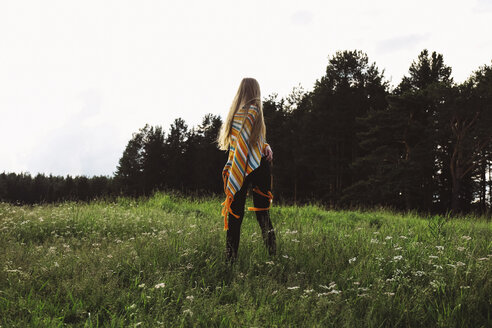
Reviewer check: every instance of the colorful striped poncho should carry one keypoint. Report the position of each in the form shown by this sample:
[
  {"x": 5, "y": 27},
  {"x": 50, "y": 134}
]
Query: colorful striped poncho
[{"x": 243, "y": 157}]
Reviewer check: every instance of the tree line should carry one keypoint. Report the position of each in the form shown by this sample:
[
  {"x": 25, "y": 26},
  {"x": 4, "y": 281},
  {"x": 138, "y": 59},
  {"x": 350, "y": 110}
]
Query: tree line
[
  {"x": 423, "y": 145},
  {"x": 151, "y": 161}
]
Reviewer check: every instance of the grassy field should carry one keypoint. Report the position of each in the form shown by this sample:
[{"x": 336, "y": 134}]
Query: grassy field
[{"x": 161, "y": 262}]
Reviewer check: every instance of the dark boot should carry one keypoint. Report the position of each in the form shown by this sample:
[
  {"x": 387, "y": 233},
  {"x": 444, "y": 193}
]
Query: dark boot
[
  {"x": 231, "y": 252},
  {"x": 232, "y": 238},
  {"x": 267, "y": 231}
]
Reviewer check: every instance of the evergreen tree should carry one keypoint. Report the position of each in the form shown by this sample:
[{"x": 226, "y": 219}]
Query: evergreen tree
[
  {"x": 402, "y": 140},
  {"x": 176, "y": 167},
  {"x": 467, "y": 118},
  {"x": 350, "y": 88},
  {"x": 211, "y": 159},
  {"x": 129, "y": 172},
  {"x": 153, "y": 159},
  {"x": 292, "y": 177}
]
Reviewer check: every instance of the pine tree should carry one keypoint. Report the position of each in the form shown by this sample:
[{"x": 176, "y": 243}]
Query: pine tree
[
  {"x": 402, "y": 139},
  {"x": 350, "y": 88},
  {"x": 153, "y": 159},
  {"x": 467, "y": 118},
  {"x": 129, "y": 172},
  {"x": 176, "y": 167}
]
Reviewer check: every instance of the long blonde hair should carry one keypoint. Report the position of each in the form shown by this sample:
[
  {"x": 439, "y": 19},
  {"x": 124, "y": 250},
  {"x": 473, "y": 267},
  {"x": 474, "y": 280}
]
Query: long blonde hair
[{"x": 247, "y": 94}]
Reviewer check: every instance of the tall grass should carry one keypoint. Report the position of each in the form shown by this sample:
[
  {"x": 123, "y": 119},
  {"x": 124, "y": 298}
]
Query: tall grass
[{"x": 161, "y": 262}]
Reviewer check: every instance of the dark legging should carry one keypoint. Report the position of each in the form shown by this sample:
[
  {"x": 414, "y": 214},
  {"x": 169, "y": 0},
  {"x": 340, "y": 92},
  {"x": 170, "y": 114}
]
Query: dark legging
[{"x": 260, "y": 178}]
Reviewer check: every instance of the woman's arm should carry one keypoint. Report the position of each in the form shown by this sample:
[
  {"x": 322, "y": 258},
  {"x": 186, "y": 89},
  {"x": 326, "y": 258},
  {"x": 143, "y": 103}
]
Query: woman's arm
[{"x": 268, "y": 152}]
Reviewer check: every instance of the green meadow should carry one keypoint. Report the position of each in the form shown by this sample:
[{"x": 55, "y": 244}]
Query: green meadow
[{"x": 160, "y": 261}]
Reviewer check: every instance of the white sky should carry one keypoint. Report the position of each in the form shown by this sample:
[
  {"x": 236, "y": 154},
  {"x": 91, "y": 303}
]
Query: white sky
[{"x": 77, "y": 78}]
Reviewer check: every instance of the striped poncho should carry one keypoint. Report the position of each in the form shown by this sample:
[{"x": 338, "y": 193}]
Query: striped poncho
[{"x": 243, "y": 157}]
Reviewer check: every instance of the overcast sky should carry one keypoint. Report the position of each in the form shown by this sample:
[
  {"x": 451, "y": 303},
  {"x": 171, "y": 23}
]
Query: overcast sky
[{"x": 77, "y": 78}]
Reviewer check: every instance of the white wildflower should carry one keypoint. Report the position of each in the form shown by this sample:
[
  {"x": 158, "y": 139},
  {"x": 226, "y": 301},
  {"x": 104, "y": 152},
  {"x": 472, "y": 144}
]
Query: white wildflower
[
  {"x": 307, "y": 291},
  {"x": 352, "y": 259},
  {"x": 435, "y": 283},
  {"x": 330, "y": 292},
  {"x": 160, "y": 285},
  {"x": 390, "y": 293},
  {"x": 459, "y": 263},
  {"x": 461, "y": 249},
  {"x": 433, "y": 257},
  {"x": 374, "y": 241},
  {"x": 397, "y": 257},
  {"x": 331, "y": 285},
  {"x": 141, "y": 286},
  {"x": 190, "y": 297},
  {"x": 466, "y": 237},
  {"x": 403, "y": 237},
  {"x": 440, "y": 248},
  {"x": 188, "y": 311},
  {"x": 388, "y": 237},
  {"x": 292, "y": 288}
]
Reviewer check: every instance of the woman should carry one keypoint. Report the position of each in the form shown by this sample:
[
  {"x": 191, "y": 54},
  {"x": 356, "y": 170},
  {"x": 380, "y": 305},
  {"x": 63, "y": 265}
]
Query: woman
[{"x": 249, "y": 162}]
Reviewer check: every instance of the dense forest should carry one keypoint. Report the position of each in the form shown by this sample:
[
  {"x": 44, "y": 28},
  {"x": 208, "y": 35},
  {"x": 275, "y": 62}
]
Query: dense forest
[{"x": 424, "y": 145}]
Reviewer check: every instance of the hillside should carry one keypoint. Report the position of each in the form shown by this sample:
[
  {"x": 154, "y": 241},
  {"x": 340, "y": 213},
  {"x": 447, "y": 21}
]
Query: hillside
[{"x": 160, "y": 262}]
